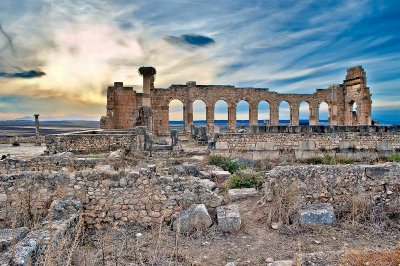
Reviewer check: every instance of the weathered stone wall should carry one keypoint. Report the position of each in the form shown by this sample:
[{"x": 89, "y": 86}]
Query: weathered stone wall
[
  {"x": 115, "y": 197},
  {"x": 47, "y": 163},
  {"x": 337, "y": 184},
  {"x": 10, "y": 140},
  {"x": 305, "y": 142},
  {"x": 90, "y": 141},
  {"x": 122, "y": 103}
]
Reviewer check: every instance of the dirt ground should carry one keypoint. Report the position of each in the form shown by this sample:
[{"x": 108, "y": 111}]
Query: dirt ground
[
  {"x": 24, "y": 151},
  {"x": 254, "y": 243}
]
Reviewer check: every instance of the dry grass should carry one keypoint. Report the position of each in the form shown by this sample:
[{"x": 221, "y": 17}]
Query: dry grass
[
  {"x": 367, "y": 257},
  {"x": 284, "y": 205}
]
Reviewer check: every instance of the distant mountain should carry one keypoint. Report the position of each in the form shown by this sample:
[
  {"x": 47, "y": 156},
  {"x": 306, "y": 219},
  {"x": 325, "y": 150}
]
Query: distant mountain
[{"x": 61, "y": 118}]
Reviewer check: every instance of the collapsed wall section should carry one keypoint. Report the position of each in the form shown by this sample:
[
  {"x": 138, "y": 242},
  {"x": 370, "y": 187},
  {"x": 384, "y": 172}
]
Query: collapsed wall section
[
  {"x": 111, "y": 197},
  {"x": 339, "y": 184},
  {"x": 90, "y": 141}
]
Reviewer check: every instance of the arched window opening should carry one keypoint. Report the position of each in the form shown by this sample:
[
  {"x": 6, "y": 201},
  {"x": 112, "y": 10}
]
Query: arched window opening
[
  {"x": 284, "y": 113},
  {"x": 263, "y": 113},
  {"x": 175, "y": 115}
]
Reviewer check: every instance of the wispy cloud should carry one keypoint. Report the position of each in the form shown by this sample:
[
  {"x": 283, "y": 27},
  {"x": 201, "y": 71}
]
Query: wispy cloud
[{"x": 287, "y": 46}]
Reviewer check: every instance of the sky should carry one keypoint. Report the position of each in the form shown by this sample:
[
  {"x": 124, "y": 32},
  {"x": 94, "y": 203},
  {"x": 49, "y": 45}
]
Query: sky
[{"x": 57, "y": 57}]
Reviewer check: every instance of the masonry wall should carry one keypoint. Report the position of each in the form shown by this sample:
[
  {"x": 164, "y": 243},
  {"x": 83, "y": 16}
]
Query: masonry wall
[
  {"x": 47, "y": 163},
  {"x": 90, "y": 142},
  {"x": 339, "y": 184},
  {"x": 112, "y": 197},
  {"x": 10, "y": 140},
  {"x": 288, "y": 143}
]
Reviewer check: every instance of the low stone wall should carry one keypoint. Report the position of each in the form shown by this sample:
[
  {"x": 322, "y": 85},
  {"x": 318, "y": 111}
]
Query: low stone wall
[
  {"x": 113, "y": 197},
  {"x": 294, "y": 145},
  {"x": 338, "y": 184},
  {"x": 47, "y": 163},
  {"x": 86, "y": 142},
  {"x": 10, "y": 140}
]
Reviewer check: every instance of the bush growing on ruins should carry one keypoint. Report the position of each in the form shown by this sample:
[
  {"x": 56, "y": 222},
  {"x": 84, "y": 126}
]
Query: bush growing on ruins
[
  {"x": 393, "y": 158},
  {"x": 225, "y": 163},
  {"x": 245, "y": 180},
  {"x": 331, "y": 160}
]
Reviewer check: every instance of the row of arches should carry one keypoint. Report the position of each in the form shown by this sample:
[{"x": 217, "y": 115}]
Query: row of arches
[{"x": 176, "y": 110}]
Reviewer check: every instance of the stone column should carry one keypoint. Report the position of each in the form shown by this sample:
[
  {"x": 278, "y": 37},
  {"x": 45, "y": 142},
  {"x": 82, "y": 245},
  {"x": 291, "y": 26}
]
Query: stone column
[
  {"x": 232, "y": 117},
  {"x": 188, "y": 115},
  {"x": 37, "y": 140},
  {"x": 210, "y": 118},
  {"x": 313, "y": 118},
  {"x": 253, "y": 114},
  {"x": 146, "y": 89},
  {"x": 274, "y": 114},
  {"x": 294, "y": 115}
]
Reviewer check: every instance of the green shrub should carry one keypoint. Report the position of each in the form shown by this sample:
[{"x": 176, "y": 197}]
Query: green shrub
[
  {"x": 244, "y": 180},
  {"x": 328, "y": 159},
  {"x": 225, "y": 163},
  {"x": 393, "y": 158}
]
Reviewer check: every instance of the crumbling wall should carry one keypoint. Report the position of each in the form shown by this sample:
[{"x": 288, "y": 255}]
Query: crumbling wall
[
  {"x": 10, "y": 140},
  {"x": 115, "y": 197},
  {"x": 47, "y": 163},
  {"x": 90, "y": 141},
  {"x": 288, "y": 143},
  {"x": 338, "y": 184}
]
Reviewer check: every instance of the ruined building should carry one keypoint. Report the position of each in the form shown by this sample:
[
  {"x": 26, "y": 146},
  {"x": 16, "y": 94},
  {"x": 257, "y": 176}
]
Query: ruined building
[{"x": 127, "y": 108}]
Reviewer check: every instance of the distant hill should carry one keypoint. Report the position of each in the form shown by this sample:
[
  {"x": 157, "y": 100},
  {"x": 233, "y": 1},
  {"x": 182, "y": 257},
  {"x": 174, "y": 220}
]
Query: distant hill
[{"x": 61, "y": 118}]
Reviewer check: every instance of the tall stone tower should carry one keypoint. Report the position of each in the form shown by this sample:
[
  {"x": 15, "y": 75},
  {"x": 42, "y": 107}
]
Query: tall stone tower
[{"x": 356, "y": 94}]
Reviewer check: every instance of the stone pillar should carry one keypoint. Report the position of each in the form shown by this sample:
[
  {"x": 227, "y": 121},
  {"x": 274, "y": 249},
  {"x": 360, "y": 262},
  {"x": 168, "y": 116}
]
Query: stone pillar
[
  {"x": 148, "y": 74},
  {"x": 314, "y": 115},
  {"x": 294, "y": 115},
  {"x": 232, "y": 118},
  {"x": 37, "y": 139},
  {"x": 188, "y": 115},
  {"x": 210, "y": 118},
  {"x": 274, "y": 114},
  {"x": 146, "y": 90},
  {"x": 253, "y": 114}
]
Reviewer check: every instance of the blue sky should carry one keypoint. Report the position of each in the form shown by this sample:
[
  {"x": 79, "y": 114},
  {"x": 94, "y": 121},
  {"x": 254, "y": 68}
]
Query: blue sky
[{"x": 57, "y": 57}]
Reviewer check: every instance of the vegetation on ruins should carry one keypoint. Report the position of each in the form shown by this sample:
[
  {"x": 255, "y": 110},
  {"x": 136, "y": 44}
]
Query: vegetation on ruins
[
  {"x": 332, "y": 160},
  {"x": 242, "y": 179},
  {"x": 225, "y": 163},
  {"x": 393, "y": 158}
]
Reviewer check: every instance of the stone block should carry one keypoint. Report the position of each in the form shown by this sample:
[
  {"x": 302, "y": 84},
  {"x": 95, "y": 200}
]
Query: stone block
[
  {"x": 221, "y": 145},
  {"x": 307, "y": 145},
  {"x": 220, "y": 175},
  {"x": 203, "y": 175},
  {"x": 320, "y": 213},
  {"x": 210, "y": 185},
  {"x": 195, "y": 217},
  {"x": 228, "y": 218},
  {"x": 243, "y": 193},
  {"x": 191, "y": 169},
  {"x": 384, "y": 146},
  {"x": 345, "y": 145},
  {"x": 7, "y": 238},
  {"x": 282, "y": 263},
  {"x": 264, "y": 146}
]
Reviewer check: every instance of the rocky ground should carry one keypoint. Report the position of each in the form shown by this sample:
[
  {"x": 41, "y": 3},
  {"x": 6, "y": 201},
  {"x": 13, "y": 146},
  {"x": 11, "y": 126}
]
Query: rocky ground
[{"x": 258, "y": 241}]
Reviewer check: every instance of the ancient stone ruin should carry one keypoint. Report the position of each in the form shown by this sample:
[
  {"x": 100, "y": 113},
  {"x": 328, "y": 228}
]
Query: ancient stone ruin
[{"x": 127, "y": 108}]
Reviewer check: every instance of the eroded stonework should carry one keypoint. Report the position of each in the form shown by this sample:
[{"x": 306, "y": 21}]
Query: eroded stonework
[{"x": 123, "y": 103}]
